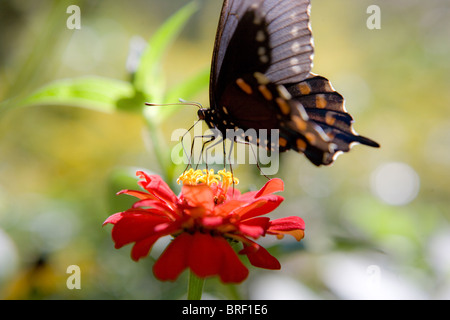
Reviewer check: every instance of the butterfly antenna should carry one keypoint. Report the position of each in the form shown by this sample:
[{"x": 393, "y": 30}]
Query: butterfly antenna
[
  {"x": 191, "y": 103},
  {"x": 181, "y": 103}
]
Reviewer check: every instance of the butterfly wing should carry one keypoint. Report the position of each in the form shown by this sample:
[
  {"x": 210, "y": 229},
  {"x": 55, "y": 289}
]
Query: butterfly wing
[
  {"x": 283, "y": 30},
  {"x": 262, "y": 54},
  {"x": 326, "y": 108},
  {"x": 291, "y": 42}
]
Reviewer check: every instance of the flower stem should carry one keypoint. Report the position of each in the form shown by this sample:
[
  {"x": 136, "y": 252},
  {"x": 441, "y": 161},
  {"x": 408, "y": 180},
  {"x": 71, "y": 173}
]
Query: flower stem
[{"x": 195, "y": 286}]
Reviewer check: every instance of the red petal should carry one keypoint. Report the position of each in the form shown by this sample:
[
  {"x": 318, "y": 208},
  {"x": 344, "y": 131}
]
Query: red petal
[
  {"x": 174, "y": 259},
  {"x": 254, "y": 227},
  {"x": 289, "y": 225},
  {"x": 113, "y": 219},
  {"x": 248, "y": 196},
  {"x": 212, "y": 222},
  {"x": 204, "y": 254},
  {"x": 156, "y": 205},
  {"x": 232, "y": 269},
  {"x": 228, "y": 207},
  {"x": 205, "y": 259},
  {"x": 260, "y": 207},
  {"x": 200, "y": 198},
  {"x": 131, "y": 227},
  {"x": 260, "y": 257},
  {"x": 157, "y": 187},
  {"x": 233, "y": 193},
  {"x": 271, "y": 186},
  {"x": 138, "y": 194},
  {"x": 142, "y": 248},
  {"x": 138, "y": 211}
]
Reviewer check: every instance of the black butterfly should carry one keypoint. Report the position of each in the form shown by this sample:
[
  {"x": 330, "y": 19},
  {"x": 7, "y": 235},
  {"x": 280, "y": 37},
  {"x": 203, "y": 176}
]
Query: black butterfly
[{"x": 261, "y": 79}]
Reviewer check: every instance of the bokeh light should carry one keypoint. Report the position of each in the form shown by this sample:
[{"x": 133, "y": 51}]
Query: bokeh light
[{"x": 395, "y": 183}]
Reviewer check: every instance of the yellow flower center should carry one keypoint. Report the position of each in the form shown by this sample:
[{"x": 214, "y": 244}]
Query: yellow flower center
[{"x": 208, "y": 177}]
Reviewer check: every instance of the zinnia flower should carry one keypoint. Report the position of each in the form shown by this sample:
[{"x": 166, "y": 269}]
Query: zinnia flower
[{"x": 208, "y": 215}]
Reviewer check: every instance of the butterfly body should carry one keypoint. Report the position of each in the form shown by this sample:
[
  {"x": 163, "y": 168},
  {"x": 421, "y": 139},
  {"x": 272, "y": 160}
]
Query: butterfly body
[{"x": 261, "y": 79}]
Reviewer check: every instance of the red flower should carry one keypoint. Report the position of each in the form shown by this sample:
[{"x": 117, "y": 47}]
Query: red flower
[{"x": 203, "y": 219}]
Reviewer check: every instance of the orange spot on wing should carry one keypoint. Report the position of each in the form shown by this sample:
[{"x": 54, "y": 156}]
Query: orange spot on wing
[{"x": 244, "y": 86}]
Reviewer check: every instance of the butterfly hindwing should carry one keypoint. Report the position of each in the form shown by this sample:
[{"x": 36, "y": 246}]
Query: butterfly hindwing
[
  {"x": 326, "y": 107},
  {"x": 275, "y": 110}
]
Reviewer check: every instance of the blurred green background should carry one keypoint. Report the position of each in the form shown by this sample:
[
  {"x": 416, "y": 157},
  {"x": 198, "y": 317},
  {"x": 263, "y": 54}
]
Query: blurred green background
[{"x": 377, "y": 221}]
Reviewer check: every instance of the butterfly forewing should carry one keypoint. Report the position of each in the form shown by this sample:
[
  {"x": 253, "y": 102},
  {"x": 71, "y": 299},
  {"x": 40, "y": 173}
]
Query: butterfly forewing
[
  {"x": 290, "y": 39},
  {"x": 248, "y": 51}
]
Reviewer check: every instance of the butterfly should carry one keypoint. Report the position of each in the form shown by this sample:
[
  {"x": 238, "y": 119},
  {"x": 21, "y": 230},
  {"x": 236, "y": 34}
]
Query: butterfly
[{"x": 261, "y": 79}]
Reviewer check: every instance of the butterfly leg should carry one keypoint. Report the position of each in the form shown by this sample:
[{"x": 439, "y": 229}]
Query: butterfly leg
[
  {"x": 229, "y": 157},
  {"x": 229, "y": 160},
  {"x": 250, "y": 145},
  {"x": 192, "y": 146},
  {"x": 212, "y": 138}
]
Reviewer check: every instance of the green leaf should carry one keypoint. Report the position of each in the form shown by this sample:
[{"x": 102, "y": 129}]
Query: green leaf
[
  {"x": 148, "y": 78},
  {"x": 101, "y": 94}
]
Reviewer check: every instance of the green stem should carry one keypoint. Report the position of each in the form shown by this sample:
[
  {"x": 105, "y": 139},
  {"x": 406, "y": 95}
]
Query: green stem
[{"x": 195, "y": 287}]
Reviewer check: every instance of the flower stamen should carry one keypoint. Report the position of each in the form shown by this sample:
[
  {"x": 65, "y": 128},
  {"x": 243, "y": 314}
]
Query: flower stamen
[
  {"x": 190, "y": 177},
  {"x": 227, "y": 179},
  {"x": 208, "y": 177}
]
